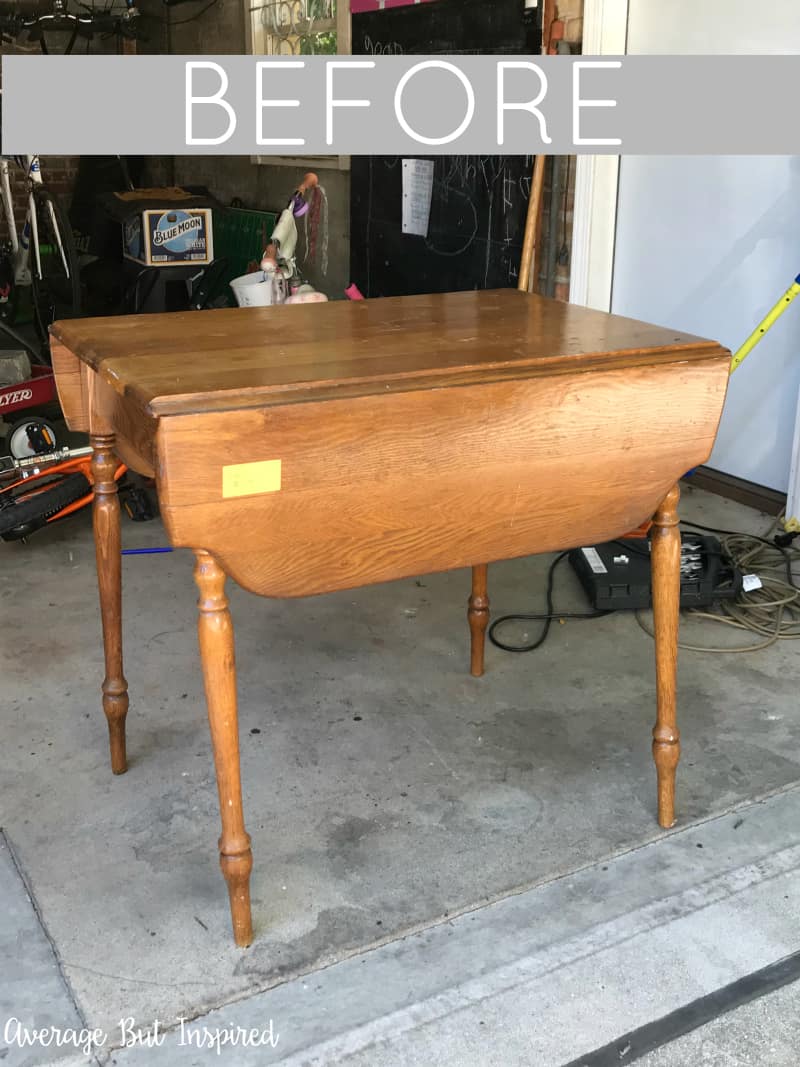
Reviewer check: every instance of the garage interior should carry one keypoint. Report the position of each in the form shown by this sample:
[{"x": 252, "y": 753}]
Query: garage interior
[{"x": 450, "y": 870}]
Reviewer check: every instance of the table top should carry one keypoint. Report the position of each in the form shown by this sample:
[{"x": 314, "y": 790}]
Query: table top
[{"x": 189, "y": 362}]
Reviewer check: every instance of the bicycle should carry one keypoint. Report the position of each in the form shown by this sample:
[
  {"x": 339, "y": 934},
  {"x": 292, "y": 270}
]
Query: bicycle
[
  {"x": 60, "y": 20},
  {"x": 45, "y": 487},
  {"x": 42, "y": 256}
]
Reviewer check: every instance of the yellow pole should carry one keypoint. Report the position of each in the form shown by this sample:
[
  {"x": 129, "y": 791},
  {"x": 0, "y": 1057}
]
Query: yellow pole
[{"x": 769, "y": 319}]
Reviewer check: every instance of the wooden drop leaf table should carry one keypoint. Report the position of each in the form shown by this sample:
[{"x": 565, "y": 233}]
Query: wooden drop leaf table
[{"x": 305, "y": 449}]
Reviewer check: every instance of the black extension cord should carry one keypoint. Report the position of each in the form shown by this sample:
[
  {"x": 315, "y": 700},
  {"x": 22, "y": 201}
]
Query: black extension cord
[{"x": 547, "y": 616}]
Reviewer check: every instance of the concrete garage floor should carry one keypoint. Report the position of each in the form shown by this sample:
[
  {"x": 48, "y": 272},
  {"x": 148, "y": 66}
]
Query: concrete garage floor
[{"x": 390, "y": 798}]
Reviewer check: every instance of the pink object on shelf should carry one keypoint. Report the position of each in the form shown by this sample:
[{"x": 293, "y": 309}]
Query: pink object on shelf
[{"x": 352, "y": 292}]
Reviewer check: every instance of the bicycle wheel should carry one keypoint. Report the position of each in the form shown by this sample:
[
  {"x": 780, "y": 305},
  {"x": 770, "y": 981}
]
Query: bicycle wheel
[
  {"x": 57, "y": 293},
  {"x": 30, "y": 508}
]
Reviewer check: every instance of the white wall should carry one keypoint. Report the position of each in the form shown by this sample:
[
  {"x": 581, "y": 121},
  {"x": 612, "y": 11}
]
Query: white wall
[{"x": 708, "y": 243}]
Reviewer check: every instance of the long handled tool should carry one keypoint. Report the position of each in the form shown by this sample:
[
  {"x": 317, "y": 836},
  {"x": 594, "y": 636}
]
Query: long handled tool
[
  {"x": 769, "y": 319},
  {"x": 528, "y": 280},
  {"x": 791, "y": 522},
  {"x": 528, "y": 274}
]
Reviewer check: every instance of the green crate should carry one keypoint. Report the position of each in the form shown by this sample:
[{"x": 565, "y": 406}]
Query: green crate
[{"x": 240, "y": 237}]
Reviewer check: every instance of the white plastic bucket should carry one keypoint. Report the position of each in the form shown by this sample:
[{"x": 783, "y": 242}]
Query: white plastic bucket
[{"x": 253, "y": 290}]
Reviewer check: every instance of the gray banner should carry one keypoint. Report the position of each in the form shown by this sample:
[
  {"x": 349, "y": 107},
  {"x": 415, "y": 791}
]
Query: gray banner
[{"x": 257, "y": 105}]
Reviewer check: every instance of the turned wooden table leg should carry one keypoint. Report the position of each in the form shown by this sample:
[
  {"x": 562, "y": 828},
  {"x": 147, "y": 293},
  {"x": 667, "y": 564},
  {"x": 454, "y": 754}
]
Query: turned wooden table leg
[
  {"x": 215, "y": 631},
  {"x": 109, "y": 577},
  {"x": 666, "y": 568},
  {"x": 478, "y": 615}
]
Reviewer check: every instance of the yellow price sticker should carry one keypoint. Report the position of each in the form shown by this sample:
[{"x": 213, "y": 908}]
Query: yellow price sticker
[{"x": 249, "y": 479}]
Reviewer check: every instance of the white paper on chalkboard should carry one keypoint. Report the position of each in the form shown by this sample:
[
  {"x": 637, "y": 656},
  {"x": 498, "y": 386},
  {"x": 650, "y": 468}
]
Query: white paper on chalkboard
[{"x": 417, "y": 189}]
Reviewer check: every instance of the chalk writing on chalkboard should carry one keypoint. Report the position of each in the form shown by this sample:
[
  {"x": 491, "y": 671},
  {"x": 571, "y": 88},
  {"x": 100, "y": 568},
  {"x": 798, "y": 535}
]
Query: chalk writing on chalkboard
[{"x": 375, "y": 48}]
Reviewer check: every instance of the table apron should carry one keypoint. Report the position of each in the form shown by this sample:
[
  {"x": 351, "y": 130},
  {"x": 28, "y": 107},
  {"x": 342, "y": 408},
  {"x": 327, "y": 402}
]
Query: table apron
[{"x": 348, "y": 492}]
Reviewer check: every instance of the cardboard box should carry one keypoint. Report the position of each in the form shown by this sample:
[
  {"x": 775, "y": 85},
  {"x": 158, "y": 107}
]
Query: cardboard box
[{"x": 169, "y": 237}]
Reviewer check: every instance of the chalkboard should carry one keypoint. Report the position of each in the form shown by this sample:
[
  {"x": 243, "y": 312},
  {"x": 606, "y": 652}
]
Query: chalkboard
[
  {"x": 474, "y": 237},
  {"x": 478, "y": 203}
]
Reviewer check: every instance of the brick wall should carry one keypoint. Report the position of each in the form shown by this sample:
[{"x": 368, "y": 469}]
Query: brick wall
[
  {"x": 569, "y": 22},
  {"x": 218, "y": 31},
  {"x": 564, "y": 193}
]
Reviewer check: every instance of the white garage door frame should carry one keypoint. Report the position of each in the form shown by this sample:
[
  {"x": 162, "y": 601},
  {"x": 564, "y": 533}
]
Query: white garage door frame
[{"x": 605, "y": 33}]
